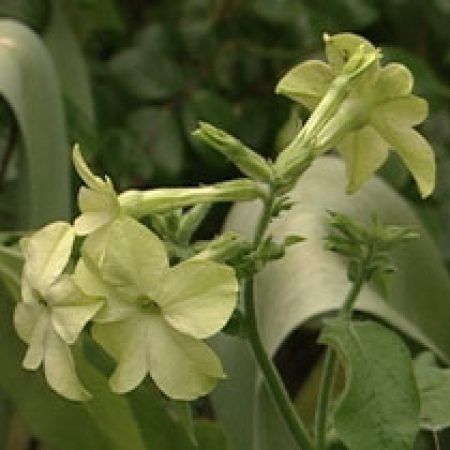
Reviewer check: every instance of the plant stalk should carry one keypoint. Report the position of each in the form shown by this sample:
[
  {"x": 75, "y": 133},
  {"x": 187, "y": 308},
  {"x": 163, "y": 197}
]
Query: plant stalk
[
  {"x": 329, "y": 368},
  {"x": 270, "y": 374},
  {"x": 274, "y": 383}
]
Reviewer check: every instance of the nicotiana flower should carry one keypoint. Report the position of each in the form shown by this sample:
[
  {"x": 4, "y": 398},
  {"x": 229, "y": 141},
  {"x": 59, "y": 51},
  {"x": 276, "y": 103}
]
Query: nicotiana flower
[
  {"x": 378, "y": 113},
  {"x": 53, "y": 311},
  {"x": 155, "y": 316},
  {"x": 100, "y": 205},
  {"x": 98, "y": 202}
]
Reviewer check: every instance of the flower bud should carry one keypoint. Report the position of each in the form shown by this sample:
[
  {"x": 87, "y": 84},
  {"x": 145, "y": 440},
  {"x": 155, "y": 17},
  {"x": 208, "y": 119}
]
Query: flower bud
[{"x": 248, "y": 162}]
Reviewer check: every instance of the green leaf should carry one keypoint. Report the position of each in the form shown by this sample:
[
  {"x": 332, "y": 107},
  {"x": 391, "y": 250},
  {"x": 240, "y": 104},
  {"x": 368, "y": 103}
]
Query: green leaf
[
  {"x": 434, "y": 390},
  {"x": 68, "y": 58},
  {"x": 90, "y": 18},
  {"x": 183, "y": 412},
  {"x": 5, "y": 419},
  {"x": 279, "y": 11},
  {"x": 147, "y": 73},
  {"x": 33, "y": 13},
  {"x": 210, "y": 436},
  {"x": 110, "y": 412},
  {"x": 380, "y": 405},
  {"x": 208, "y": 106},
  {"x": 11, "y": 261},
  {"x": 158, "y": 135},
  {"x": 36, "y": 103},
  {"x": 310, "y": 282},
  {"x": 164, "y": 431}
]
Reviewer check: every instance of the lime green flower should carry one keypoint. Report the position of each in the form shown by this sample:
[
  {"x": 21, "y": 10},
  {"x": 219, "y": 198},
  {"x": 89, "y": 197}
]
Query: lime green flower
[
  {"x": 100, "y": 205},
  {"x": 53, "y": 311},
  {"x": 377, "y": 114},
  {"x": 155, "y": 316},
  {"x": 98, "y": 201}
]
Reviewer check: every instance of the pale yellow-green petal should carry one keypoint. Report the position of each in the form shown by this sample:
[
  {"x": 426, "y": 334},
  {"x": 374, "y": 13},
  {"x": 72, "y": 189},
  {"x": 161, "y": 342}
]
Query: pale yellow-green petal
[
  {"x": 71, "y": 309},
  {"x": 306, "y": 83},
  {"x": 134, "y": 258},
  {"x": 98, "y": 209},
  {"x": 89, "y": 222},
  {"x": 340, "y": 47},
  {"x": 394, "y": 80},
  {"x": 364, "y": 151},
  {"x": 114, "y": 306},
  {"x": 59, "y": 369},
  {"x": 402, "y": 111},
  {"x": 198, "y": 297},
  {"x": 183, "y": 368},
  {"x": 413, "y": 149},
  {"x": 46, "y": 254},
  {"x": 28, "y": 292},
  {"x": 126, "y": 342},
  {"x": 91, "y": 180},
  {"x": 32, "y": 323},
  {"x": 25, "y": 318}
]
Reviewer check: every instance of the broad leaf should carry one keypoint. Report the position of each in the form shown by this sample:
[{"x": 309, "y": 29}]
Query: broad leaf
[
  {"x": 33, "y": 13},
  {"x": 10, "y": 269},
  {"x": 29, "y": 84},
  {"x": 210, "y": 436},
  {"x": 158, "y": 135},
  {"x": 164, "y": 430},
  {"x": 310, "y": 282},
  {"x": 434, "y": 390},
  {"x": 380, "y": 406}
]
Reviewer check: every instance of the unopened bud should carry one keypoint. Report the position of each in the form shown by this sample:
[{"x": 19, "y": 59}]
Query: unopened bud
[{"x": 248, "y": 161}]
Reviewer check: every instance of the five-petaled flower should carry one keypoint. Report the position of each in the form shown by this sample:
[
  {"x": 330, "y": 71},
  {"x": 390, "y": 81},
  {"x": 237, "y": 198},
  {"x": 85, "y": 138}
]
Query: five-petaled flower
[
  {"x": 378, "y": 113},
  {"x": 98, "y": 202},
  {"x": 155, "y": 316},
  {"x": 53, "y": 310}
]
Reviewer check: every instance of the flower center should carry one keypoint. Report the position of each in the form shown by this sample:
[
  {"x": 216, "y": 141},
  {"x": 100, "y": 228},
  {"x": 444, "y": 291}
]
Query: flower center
[{"x": 148, "y": 305}]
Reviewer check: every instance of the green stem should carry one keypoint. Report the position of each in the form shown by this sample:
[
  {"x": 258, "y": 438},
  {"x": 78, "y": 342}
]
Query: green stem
[
  {"x": 324, "y": 398},
  {"x": 270, "y": 374},
  {"x": 266, "y": 365},
  {"x": 329, "y": 368}
]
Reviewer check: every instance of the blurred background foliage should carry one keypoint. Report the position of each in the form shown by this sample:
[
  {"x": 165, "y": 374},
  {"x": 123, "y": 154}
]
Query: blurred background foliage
[{"x": 157, "y": 67}]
